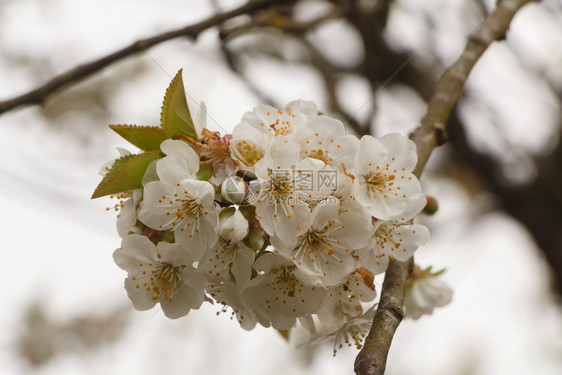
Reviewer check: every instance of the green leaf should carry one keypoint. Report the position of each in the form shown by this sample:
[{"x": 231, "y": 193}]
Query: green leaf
[
  {"x": 175, "y": 117},
  {"x": 147, "y": 138},
  {"x": 205, "y": 171},
  {"x": 249, "y": 212},
  {"x": 126, "y": 174}
]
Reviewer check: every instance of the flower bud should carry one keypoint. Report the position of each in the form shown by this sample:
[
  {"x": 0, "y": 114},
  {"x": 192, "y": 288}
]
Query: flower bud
[
  {"x": 425, "y": 291},
  {"x": 233, "y": 189},
  {"x": 256, "y": 238},
  {"x": 431, "y": 206},
  {"x": 233, "y": 226}
]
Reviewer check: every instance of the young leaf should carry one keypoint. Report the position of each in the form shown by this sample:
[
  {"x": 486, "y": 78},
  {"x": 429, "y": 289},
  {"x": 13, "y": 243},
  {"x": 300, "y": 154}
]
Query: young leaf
[
  {"x": 126, "y": 174},
  {"x": 205, "y": 171},
  {"x": 175, "y": 117},
  {"x": 147, "y": 138}
]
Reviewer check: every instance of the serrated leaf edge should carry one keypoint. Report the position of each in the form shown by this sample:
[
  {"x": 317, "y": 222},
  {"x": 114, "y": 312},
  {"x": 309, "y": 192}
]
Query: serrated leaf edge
[
  {"x": 165, "y": 102},
  {"x": 111, "y": 174},
  {"x": 127, "y": 126}
]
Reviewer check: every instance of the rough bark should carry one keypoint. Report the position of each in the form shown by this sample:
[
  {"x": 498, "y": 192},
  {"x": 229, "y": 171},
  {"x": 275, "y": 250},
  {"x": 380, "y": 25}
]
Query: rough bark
[{"x": 432, "y": 132}]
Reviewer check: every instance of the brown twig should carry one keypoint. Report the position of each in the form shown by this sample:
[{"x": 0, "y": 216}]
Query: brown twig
[
  {"x": 371, "y": 360},
  {"x": 329, "y": 74},
  {"x": 40, "y": 94},
  {"x": 327, "y": 70}
]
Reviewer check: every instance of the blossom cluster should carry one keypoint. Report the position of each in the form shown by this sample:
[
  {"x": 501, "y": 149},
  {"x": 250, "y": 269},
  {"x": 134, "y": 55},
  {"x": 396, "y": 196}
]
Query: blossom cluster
[{"x": 286, "y": 219}]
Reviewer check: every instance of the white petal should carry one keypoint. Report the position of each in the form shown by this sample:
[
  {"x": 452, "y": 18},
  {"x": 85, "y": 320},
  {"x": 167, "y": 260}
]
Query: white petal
[
  {"x": 355, "y": 230},
  {"x": 202, "y": 191},
  {"x": 181, "y": 149},
  {"x": 139, "y": 297},
  {"x": 308, "y": 108},
  {"x": 324, "y": 212},
  {"x": 189, "y": 294},
  {"x": 370, "y": 151},
  {"x": 154, "y": 211},
  {"x": 173, "y": 169},
  {"x": 412, "y": 236},
  {"x": 371, "y": 259},
  {"x": 135, "y": 249},
  {"x": 328, "y": 128},
  {"x": 242, "y": 266},
  {"x": 402, "y": 150}
]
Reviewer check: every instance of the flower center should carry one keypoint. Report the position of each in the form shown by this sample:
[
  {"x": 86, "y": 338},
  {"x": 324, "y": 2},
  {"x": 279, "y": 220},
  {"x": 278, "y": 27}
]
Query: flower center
[
  {"x": 353, "y": 334},
  {"x": 164, "y": 281},
  {"x": 188, "y": 213},
  {"x": 286, "y": 276},
  {"x": 377, "y": 182},
  {"x": 279, "y": 187},
  {"x": 283, "y": 124},
  {"x": 189, "y": 207},
  {"x": 249, "y": 152},
  {"x": 383, "y": 236},
  {"x": 317, "y": 241},
  {"x": 320, "y": 155}
]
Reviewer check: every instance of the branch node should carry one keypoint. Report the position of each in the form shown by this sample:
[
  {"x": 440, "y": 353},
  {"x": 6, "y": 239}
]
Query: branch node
[
  {"x": 396, "y": 311},
  {"x": 440, "y": 133}
]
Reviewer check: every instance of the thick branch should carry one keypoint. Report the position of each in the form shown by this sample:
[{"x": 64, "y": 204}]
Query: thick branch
[
  {"x": 449, "y": 88},
  {"x": 40, "y": 94},
  {"x": 371, "y": 360}
]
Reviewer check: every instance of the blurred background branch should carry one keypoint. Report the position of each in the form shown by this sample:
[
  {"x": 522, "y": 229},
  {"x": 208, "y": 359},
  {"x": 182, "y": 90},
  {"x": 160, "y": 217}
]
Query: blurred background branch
[{"x": 40, "y": 94}]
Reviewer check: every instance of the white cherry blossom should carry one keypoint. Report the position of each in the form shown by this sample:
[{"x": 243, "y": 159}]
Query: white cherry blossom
[
  {"x": 160, "y": 274},
  {"x": 248, "y": 145},
  {"x": 424, "y": 292},
  {"x": 324, "y": 138},
  {"x": 187, "y": 208},
  {"x": 226, "y": 259},
  {"x": 325, "y": 248},
  {"x": 127, "y": 217},
  {"x": 281, "y": 205},
  {"x": 257, "y": 129},
  {"x": 227, "y": 294},
  {"x": 345, "y": 300},
  {"x": 281, "y": 292},
  {"x": 276, "y": 122},
  {"x": 394, "y": 238},
  {"x": 180, "y": 163},
  {"x": 286, "y": 219},
  {"x": 384, "y": 182},
  {"x": 200, "y": 121},
  {"x": 352, "y": 332}
]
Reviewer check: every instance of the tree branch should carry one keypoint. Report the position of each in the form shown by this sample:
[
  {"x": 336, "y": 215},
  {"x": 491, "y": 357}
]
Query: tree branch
[
  {"x": 40, "y": 94},
  {"x": 449, "y": 88},
  {"x": 371, "y": 360}
]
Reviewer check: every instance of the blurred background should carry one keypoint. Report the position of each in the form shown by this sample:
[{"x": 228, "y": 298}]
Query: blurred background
[{"x": 373, "y": 63}]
